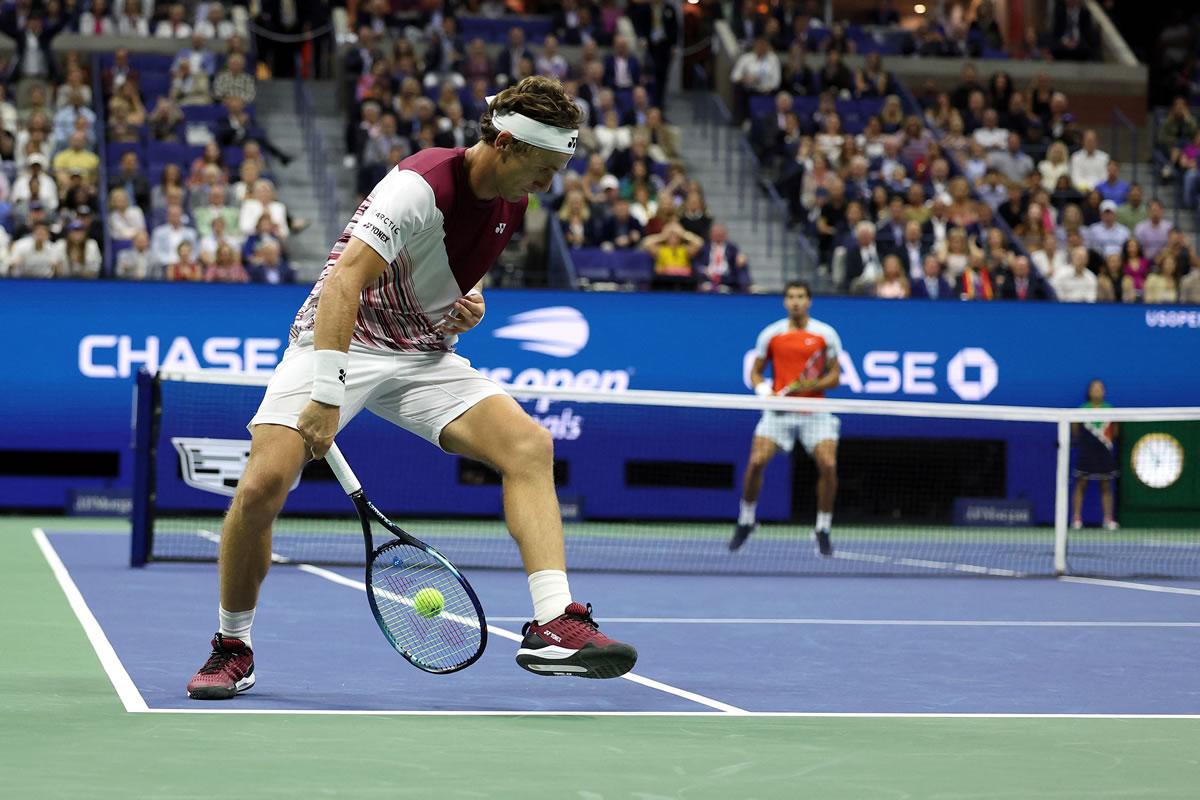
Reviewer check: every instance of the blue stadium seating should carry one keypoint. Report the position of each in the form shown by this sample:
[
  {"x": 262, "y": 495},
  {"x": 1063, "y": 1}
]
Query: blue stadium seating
[
  {"x": 495, "y": 31},
  {"x": 623, "y": 266}
]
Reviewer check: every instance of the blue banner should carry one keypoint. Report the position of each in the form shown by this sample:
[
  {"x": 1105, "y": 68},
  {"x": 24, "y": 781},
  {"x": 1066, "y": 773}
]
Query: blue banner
[{"x": 73, "y": 347}]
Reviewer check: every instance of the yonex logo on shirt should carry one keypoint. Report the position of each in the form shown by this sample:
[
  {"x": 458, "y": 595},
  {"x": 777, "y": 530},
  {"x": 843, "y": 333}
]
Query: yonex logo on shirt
[{"x": 500, "y": 228}]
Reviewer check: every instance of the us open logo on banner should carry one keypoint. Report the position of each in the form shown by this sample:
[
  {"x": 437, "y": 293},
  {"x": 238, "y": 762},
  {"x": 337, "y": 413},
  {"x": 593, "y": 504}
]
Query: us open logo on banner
[{"x": 213, "y": 465}]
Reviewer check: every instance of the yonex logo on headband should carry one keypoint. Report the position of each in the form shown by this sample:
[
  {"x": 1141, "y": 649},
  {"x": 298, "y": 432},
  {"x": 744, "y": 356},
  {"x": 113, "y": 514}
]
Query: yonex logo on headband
[{"x": 530, "y": 131}]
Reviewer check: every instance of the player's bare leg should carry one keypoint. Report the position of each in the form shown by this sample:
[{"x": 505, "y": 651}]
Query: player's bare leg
[
  {"x": 1106, "y": 503},
  {"x": 825, "y": 454},
  {"x": 562, "y": 639},
  {"x": 1077, "y": 503},
  {"x": 762, "y": 450},
  {"x": 277, "y": 454},
  {"x": 497, "y": 432}
]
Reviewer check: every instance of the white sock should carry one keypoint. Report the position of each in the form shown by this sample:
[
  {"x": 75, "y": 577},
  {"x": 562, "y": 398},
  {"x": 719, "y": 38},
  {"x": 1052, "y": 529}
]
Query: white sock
[
  {"x": 550, "y": 592},
  {"x": 824, "y": 520},
  {"x": 236, "y": 625},
  {"x": 746, "y": 511}
]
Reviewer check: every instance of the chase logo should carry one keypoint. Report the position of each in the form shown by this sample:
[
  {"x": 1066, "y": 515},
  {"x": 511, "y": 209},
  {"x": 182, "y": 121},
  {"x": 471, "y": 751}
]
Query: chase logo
[
  {"x": 213, "y": 465},
  {"x": 559, "y": 331}
]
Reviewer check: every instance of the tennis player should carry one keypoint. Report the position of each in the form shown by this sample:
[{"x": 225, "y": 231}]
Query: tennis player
[
  {"x": 378, "y": 332},
  {"x": 803, "y": 355}
]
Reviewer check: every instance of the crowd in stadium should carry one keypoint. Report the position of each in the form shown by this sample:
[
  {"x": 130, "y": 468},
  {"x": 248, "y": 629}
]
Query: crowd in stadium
[
  {"x": 188, "y": 191},
  {"x": 988, "y": 191}
]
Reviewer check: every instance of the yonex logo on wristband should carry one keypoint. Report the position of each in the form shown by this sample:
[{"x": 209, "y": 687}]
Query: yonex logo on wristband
[{"x": 342, "y": 375}]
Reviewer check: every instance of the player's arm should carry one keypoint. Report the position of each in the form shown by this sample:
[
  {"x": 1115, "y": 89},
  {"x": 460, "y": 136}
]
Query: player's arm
[
  {"x": 468, "y": 312},
  {"x": 358, "y": 267}
]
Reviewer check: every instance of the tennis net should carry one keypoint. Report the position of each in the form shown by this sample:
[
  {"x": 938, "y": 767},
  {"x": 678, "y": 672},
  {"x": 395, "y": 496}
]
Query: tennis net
[{"x": 651, "y": 481}]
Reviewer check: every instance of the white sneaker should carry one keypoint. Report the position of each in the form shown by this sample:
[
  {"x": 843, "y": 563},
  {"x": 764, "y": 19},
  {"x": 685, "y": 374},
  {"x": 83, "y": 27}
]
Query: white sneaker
[
  {"x": 1076, "y": 525},
  {"x": 1112, "y": 525}
]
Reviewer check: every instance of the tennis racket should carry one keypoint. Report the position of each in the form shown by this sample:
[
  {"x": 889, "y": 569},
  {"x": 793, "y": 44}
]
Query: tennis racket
[
  {"x": 807, "y": 373},
  {"x": 437, "y": 641}
]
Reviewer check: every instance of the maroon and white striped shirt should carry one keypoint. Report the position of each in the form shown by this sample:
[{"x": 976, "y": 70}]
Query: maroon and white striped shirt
[{"x": 438, "y": 238}]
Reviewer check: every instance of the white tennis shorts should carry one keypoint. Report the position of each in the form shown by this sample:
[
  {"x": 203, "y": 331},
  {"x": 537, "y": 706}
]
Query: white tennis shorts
[
  {"x": 785, "y": 427},
  {"x": 420, "y": 392}
]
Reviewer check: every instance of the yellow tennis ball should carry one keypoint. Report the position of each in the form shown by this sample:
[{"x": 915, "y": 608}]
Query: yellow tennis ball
[{"x": 429, "y": 602}]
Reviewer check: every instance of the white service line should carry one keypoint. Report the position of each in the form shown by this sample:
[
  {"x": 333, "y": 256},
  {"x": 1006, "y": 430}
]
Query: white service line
[
  {"x": 916, "y": 623},
  {"x": 1142, "y": 587},
  {"x": 973, "y": 569},
  {"x": 126, "y": 689},
  {"x": 342, "y": 580}
]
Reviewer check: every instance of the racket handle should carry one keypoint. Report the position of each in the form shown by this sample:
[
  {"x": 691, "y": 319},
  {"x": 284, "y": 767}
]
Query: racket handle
[{"x": 341, "y": 470}]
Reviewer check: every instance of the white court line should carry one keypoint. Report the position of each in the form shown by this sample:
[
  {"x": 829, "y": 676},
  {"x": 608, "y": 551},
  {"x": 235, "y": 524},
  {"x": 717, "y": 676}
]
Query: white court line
[
  {"x": 917, "y": 623},
  {"x": 338, "y": 712},
  {"x": 131, "y": 698},
  {"x": 973, "y": 569},
  {"x": 1143, "y": 587}
]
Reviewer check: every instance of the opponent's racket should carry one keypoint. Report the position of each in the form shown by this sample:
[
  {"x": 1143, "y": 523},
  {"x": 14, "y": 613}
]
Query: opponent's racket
[
  {"x": 807, "y": 373},
  {"x": 407, "y": 580}
]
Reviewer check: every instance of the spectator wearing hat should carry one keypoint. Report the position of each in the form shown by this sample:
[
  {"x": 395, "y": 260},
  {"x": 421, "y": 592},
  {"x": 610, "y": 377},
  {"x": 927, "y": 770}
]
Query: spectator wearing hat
[
  {"x": 35, "y": 255},
  {"x": 81, "y": 255},
  {"x": 35, "y": 187},
  {"x": 1107, "y": 236}
]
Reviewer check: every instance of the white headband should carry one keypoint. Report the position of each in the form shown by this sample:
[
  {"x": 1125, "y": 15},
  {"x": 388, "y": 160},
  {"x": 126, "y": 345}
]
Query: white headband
[{"x": 530, "y": 131}]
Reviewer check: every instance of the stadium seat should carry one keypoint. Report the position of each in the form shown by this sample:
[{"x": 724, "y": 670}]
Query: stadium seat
[
  {"x": 203, "y": 113},
  {"x": 633, "y": 266},
  {"x": 592, "y": 263},
  {"x": 174, "y": 152},
  {"x": 495, "y": 31}
]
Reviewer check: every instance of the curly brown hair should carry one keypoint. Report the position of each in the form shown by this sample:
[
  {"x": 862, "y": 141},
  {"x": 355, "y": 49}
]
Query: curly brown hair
[{"x": 537, "y": 97}]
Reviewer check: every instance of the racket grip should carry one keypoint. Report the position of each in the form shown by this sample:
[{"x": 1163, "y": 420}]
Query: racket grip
[{"x": 341, "y": 470}]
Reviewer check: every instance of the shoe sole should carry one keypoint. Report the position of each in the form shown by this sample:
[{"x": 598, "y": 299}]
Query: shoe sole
[
  {"x": 737, "y": 541},
  {"x": 612, "y": 661},
  {"x": 221, "y": 692}
]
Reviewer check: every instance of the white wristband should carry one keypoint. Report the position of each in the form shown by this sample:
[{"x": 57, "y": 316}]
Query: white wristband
[
  {"x": 329, "y": 377},
  {"x": 764, "y": 389}
]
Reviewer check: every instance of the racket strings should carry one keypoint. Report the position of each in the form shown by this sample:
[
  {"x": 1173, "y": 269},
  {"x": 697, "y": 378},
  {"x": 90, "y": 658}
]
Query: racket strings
[{"x": 439, "y": 642}]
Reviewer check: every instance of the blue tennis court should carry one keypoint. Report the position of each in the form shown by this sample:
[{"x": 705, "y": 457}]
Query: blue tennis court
[{"x": 820, "y": 645}]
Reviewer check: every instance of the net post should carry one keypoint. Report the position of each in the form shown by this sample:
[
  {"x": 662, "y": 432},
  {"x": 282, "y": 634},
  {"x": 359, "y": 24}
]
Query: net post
[
  {"x": 1061, "y": 494},
  {"x": 145, "y": 430}
]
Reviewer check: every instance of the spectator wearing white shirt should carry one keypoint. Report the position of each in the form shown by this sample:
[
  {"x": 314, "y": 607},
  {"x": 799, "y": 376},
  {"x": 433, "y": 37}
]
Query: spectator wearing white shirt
[
  {"x": 1049, "y": 259},
  {"x": 36, "y": 187},
  {"x": 261, "y": 202},
  {"x": 1079, "y": 284},
  {"x": 174, "y": 26},
  {"x": 612, "y": 135},
  {"x": 35, "y": 256},
  {"x": 215, "y": 25},
  {"x": 990, "y": 134},
  {"x": 1056, "y": 164},
  {"x": 5, "y": 252},
  {"x": 1107, "y": 236},
  {"x": 81, "y": 255},
  {"x": 164, "y": 242},
  {"x": 125, "y": 220},
  {"x": 1089, "y": 165},
  {"x": 1152, "y": 233},
  {"x": 757, "y": 72},
  {"x": 132, "y": 23}
]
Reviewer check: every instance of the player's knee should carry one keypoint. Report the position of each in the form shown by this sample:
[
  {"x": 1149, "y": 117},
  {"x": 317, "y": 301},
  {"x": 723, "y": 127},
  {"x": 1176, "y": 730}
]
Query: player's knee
[
  {"x": 261, "y": 492},
  {"x": 827, "y": 467},
  {"x": 531, "y": 450}
]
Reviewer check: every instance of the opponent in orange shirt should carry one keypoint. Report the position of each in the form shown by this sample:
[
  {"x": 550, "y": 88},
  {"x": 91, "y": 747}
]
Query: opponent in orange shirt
[{"x": 803, "y": 355}]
